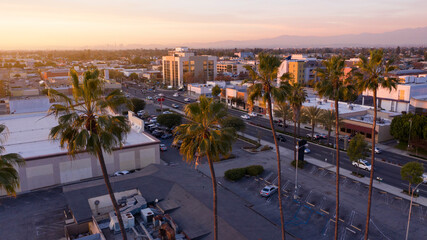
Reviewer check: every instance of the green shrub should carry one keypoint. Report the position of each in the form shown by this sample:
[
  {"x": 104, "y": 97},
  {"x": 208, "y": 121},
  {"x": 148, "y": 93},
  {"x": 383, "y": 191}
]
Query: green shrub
[
  {"x": 254, "y": 170},
  {"x": 300, "y": 164},
  {"x": 235, "y": 174},
  {"x": 265, "y": 148}
]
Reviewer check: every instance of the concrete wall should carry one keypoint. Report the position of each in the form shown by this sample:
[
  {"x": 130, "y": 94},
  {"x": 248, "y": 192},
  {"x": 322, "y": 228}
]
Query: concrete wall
[{"x": 57, "y": 169}]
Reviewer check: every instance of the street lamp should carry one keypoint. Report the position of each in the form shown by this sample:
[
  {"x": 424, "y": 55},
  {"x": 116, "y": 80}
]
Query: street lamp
[{"x": 410, "y": 209}]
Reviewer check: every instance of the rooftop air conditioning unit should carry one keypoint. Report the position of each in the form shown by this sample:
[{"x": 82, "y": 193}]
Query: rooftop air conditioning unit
[{"x": 147, "y": 215}]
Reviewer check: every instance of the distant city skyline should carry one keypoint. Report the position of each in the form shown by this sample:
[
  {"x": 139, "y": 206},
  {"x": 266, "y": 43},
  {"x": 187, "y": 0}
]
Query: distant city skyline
[{"x": 64, "y": 24}]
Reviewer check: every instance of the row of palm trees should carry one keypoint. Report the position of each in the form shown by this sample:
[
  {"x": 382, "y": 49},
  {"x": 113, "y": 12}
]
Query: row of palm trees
[{"x": 371, "y": 73}]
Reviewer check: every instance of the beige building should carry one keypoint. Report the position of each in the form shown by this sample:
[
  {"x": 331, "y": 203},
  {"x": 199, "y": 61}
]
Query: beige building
[
  {"x": 182, "y": 67},
  {"x": 48, "y": 165}
]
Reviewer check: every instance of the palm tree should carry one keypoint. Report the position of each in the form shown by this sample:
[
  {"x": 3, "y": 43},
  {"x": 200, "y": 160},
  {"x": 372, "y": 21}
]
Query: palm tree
[
  {"x": 9, "y": 177},
  {"x": 284, "y": 111},
  {"x": 264, "y": 88},
  {"x": 334, "y": 85},
  {"x": 84, "y": 125},
  {"x": 328, "y": 121},
  {"x": 313, "y": 115},
  {"x": 201, "y": 137},
  {"x": 372, "y": 74},
  {"x": 296, "y": 98}
]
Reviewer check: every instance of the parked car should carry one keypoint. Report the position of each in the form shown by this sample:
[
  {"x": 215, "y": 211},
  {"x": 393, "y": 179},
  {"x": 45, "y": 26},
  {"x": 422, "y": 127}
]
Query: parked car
[
  {"x": 157, "y": 133},
  {"x": 163, "y": 147},
  {"x": 176, "y": 95},
  {"x": 281, "y": 138},
  {"x": 167, "y": 112},
  {"x": 280, "y": 124},
  {"x": 186, "y": 99},
  {"x": 425, "y": 177},
  {"x": 119, "y": 173},
  {"x": 323, "y": 136},
  {"x": 175, "y": 105},
  {"x": 245, "y": 117},
  {"x": 269, "y": 190},
  {"x": 140, "y": 113},
  {"x": 166, "y": 136},
  {"x": 363, "y": 164},
  {"x": 149, "y": 98},
  {"x": 253, "y": 114},
  {"x": 316, "y": 136}
]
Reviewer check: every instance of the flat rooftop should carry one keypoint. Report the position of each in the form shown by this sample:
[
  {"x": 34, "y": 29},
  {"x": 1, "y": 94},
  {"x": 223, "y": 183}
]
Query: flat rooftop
[
  {"x": 29, "y": 135},
  {"x": 343, "y": 107}
]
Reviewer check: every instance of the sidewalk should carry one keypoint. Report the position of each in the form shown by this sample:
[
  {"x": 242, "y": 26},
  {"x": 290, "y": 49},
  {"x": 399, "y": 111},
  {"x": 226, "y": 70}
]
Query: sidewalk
[{"x": 343, "y": 172}]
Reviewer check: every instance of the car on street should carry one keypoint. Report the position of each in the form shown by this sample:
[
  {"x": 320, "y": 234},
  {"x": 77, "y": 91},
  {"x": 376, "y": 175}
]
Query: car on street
[
  {"x": 176, "y": 95},
  {"x": 175, "y": 105},
  {"x": 186, "y": 99},
  {"x": 177, "y": 145},
  {"x": 120, "y": 173},
  {"x": 245, "y": 117},
  {"x": 163, "y": 147},
  {"x": 167, "y": 112},
  {"x": 425, "y": 177},
  {"x": 363, "y": 164},
  {"x": 280, "y": 124},
  {"x": 149, "y": 98},
  {"x": 166, "y": 136},
  {"x": 281, "y": 138},
  {"x": 307, "y": 151},
  {"x": 269, "y": 190},
  {"x": 140, "y": 113},
  {"x": 253, "y": 114},
  {"x": 377, "y": 150}
]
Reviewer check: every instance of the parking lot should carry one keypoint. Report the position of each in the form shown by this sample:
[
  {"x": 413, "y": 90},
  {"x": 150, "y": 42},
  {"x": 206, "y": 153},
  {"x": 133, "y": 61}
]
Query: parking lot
[{"x": 310, "y": 209}]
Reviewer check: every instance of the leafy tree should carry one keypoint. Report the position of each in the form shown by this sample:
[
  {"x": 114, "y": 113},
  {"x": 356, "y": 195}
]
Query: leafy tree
[
  {"x": 313, "y": 115},
  {"x": 201, "y": 138},
  {"x": 216, "y": 90},
  {"x": 264, "y": 87},
  {"x": 372, "y": 74},
  {"x": 408, "y": 124},
  {"x": 413, "y": 173},
  {"x": 357, "y": 148},
  {"x": 233, "y": 122},
  {"x": 335, "y": 85},
  {"x": 138, "y": 104},
  {"x": 283, "y": 111},
  {"x": 84, "y": 125},
  {"x": 133, "y": 76},
  {"x": 9, "y": 177},
  {"x": 169, "y": 120}
]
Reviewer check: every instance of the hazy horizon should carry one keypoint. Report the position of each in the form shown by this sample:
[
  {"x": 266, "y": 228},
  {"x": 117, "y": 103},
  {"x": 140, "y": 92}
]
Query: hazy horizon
[{"x": 64, "y": 24}]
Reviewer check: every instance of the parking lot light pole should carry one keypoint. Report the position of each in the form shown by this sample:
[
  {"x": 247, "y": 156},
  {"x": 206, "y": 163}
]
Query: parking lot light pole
[
  {"x": 296, "y": 173},
  {"x": 410, "y": 209}
]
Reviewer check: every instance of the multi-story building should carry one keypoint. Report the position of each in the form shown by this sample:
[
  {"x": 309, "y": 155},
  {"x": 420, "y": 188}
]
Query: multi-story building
[
  {"x": 230, "y": 67},
  {"x": 410, "y": 89},
  {"x": 301, "y": 68},
  {"x": 182, "y": 67},
  {"x": 244, "y": 55}
]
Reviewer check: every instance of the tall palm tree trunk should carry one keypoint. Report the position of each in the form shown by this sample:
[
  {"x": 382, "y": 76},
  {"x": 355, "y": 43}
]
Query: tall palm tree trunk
[
  {"x": 284, "y": 124},
  {"x": 337, "y": 184},
  {"x": 110, "y": 192},
  {"x": 215, "y": 199},
  {"x": 299, "y": 127},
  {"x": 279, "y": 169},
  {"x": 312, "y": 131},
  {"x": 329, "y": 134},
  {"x": 371, "y": 178}
]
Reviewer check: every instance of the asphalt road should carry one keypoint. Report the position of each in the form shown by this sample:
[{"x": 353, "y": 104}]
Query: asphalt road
[{"x": 388, "y": 172}]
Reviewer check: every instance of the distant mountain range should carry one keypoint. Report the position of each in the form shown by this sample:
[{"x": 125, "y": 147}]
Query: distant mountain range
[{"x": 402, "y": 37}]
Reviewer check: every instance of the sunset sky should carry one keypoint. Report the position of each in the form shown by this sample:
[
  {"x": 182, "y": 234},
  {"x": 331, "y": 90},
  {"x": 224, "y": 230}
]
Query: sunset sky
[{"x": 41, "y": 24}]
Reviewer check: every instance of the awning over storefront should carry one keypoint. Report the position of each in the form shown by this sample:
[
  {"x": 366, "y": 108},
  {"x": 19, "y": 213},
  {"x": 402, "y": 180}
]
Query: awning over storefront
[{"x": 358, "y": 128}]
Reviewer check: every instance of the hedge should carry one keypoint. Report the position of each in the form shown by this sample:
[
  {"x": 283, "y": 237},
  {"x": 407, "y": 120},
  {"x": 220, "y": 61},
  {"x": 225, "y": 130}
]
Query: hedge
[
  {"x": 300, "y": 164},
  {"x": 235, "y": 174}
]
